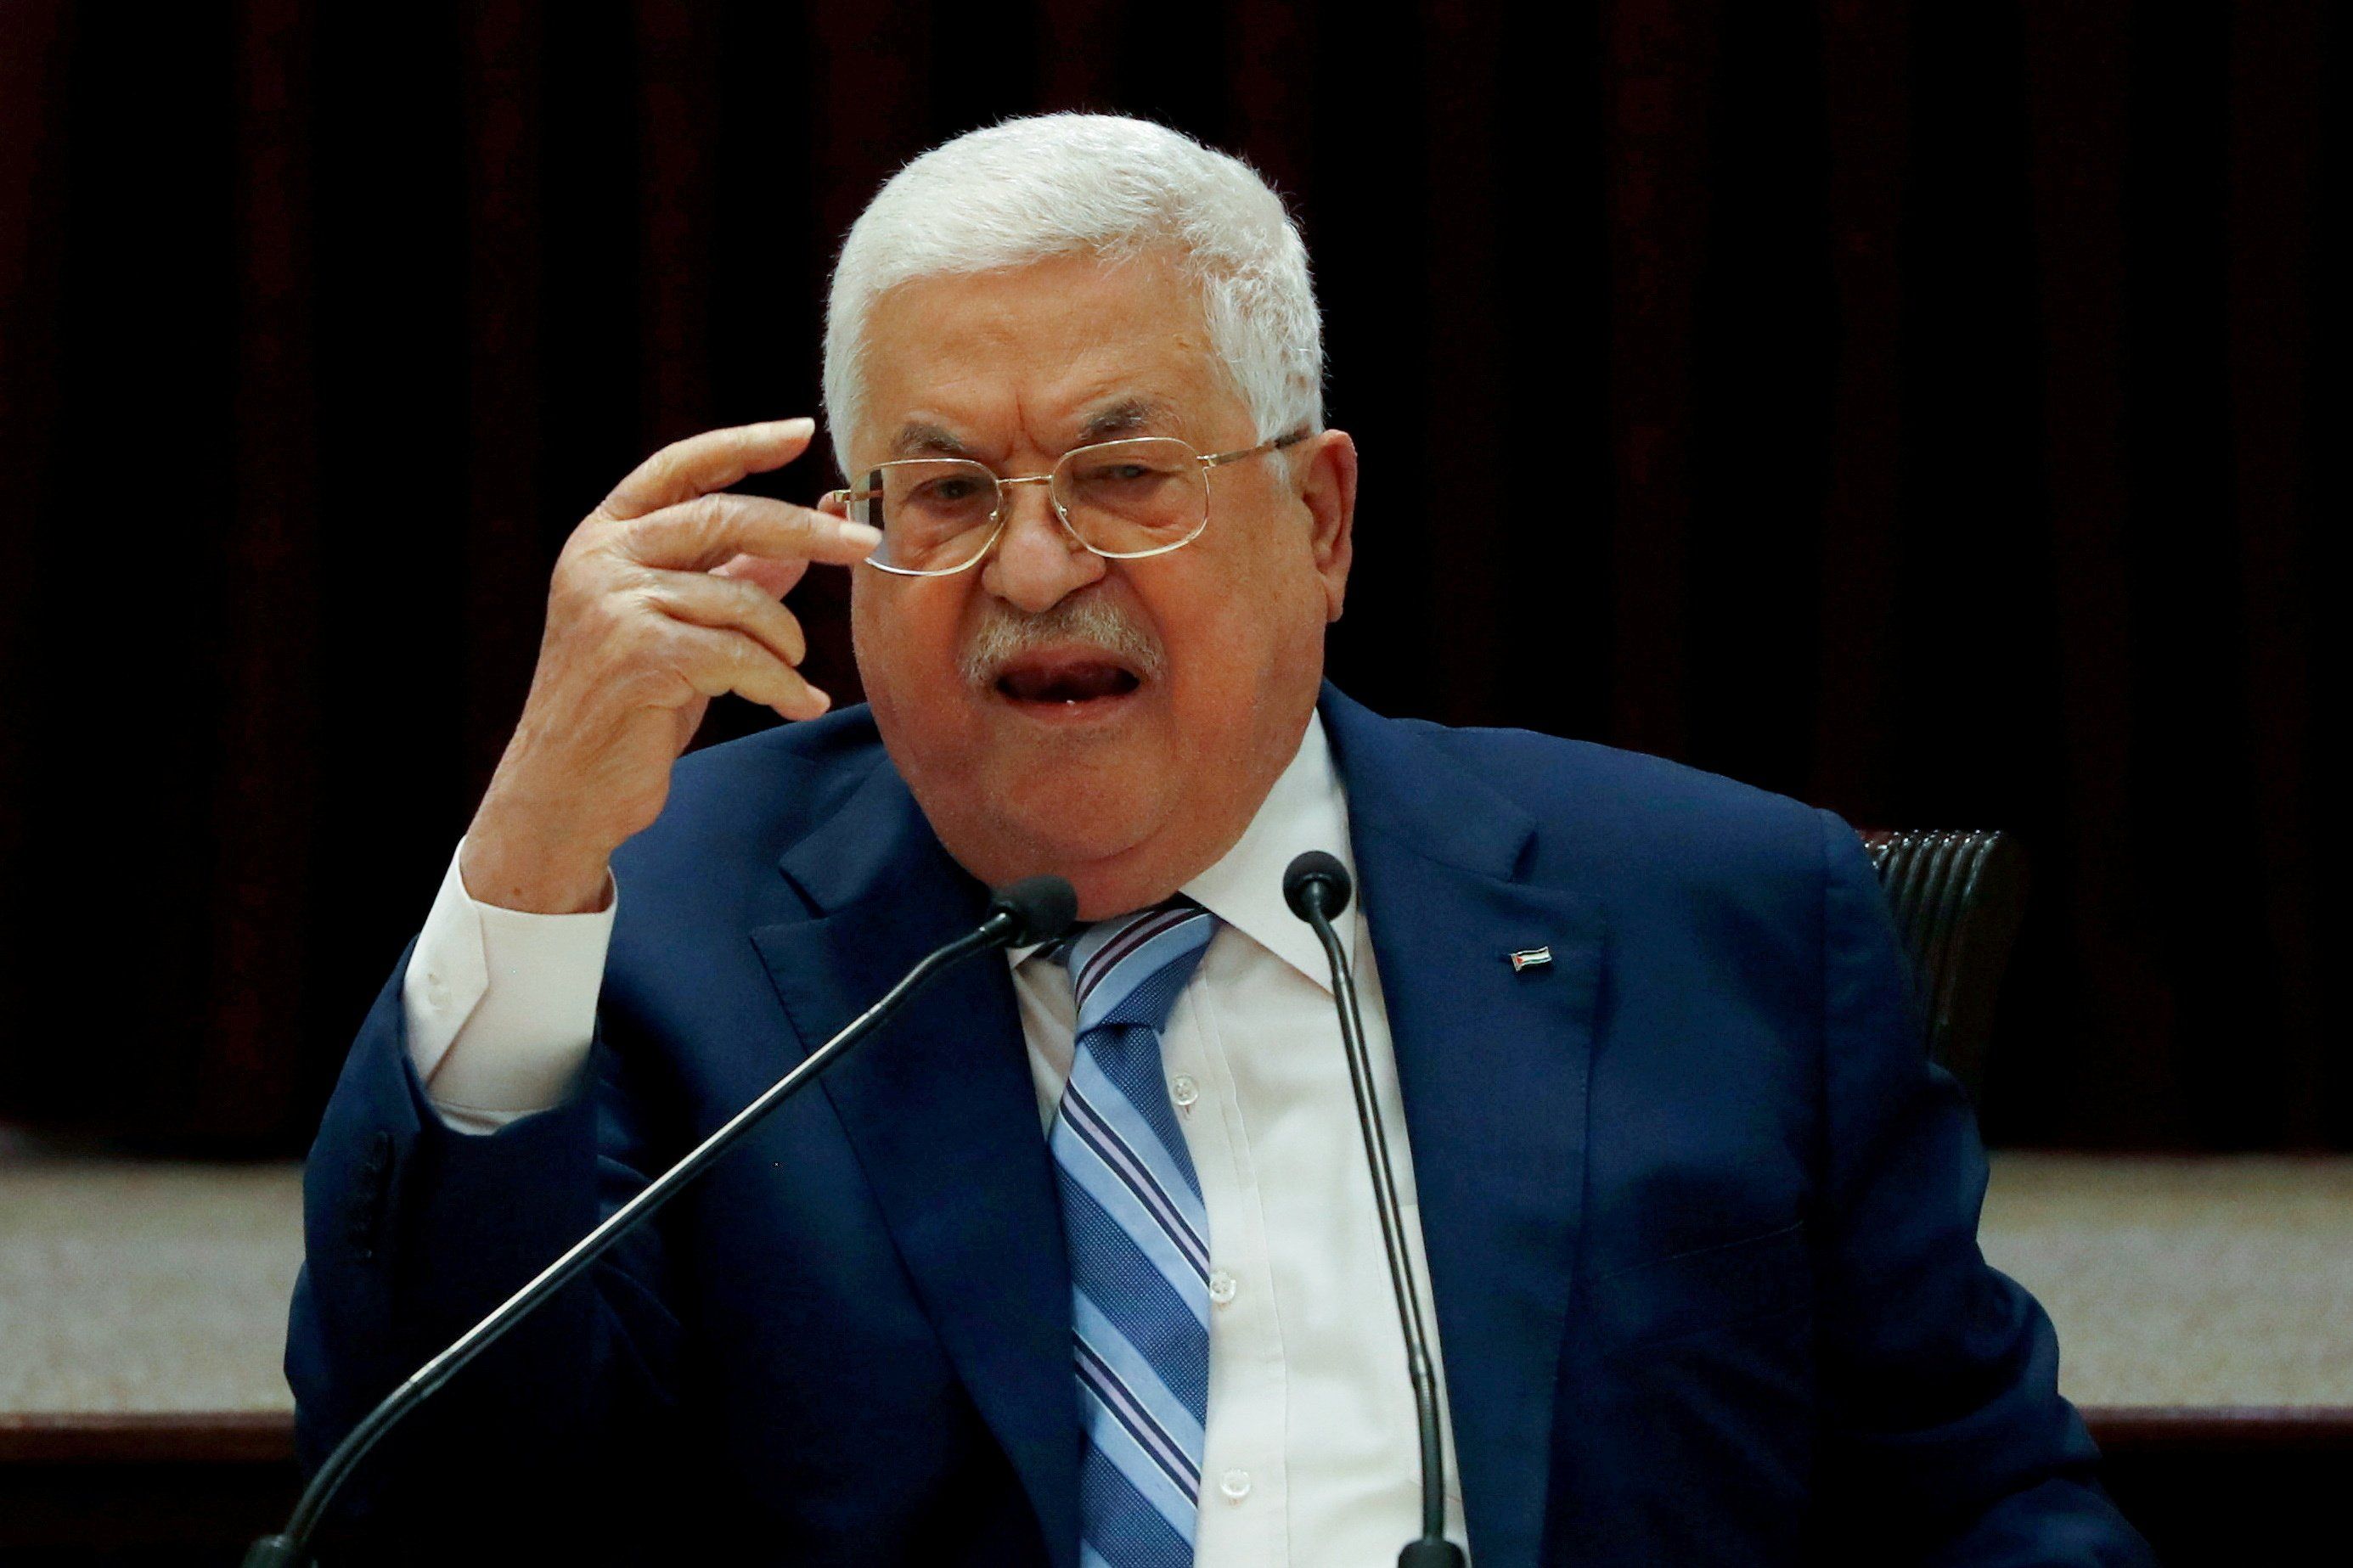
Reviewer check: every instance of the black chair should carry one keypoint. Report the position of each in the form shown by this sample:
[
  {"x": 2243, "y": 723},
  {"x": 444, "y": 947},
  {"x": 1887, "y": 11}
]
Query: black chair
[{"x": 1958, "y": 897}]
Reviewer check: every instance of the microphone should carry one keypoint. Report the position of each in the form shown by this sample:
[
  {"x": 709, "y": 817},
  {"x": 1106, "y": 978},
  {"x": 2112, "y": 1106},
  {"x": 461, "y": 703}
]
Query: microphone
[
  {"x": 1316, "y": 887},
  {"x": 1041, "y": 907},
  {"x": 1035, "y": 909}
]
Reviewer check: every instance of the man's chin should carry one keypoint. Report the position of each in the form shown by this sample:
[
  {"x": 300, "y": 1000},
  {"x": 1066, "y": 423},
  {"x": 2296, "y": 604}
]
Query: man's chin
[
  {"x": 1071, "y": 820},
  {"x": 1068, "y": 840},
  {"x": 1089, "y": 794}
]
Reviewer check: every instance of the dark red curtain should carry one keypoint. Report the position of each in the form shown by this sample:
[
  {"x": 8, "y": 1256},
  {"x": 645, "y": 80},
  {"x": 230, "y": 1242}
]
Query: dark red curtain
[{"x": 1917, "y": 409}]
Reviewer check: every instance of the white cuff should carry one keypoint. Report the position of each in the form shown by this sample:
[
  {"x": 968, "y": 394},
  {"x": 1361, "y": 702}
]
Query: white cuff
[{"x": 500, "y": 1003}]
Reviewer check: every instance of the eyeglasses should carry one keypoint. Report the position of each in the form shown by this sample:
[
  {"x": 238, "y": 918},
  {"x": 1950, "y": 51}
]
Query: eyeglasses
[{"x": 1146, "y": 495}]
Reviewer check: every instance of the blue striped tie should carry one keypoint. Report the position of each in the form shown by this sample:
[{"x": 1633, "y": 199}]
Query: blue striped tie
[{"x": 1139, "y": 1244}]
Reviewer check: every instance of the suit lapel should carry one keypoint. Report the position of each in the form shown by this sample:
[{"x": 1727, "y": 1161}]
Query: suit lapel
[
  {"x": 1493, "y": 1066},
  {"x": 940, "y": 1108}
]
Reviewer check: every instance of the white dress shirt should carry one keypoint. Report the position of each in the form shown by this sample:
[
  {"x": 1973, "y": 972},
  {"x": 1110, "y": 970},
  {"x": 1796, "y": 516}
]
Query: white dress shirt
[{"x": 1311, "y": 1460}]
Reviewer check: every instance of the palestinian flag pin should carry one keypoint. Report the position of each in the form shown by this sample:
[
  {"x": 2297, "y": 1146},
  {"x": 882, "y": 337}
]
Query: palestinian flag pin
[{"x": 1530, "y": 958}]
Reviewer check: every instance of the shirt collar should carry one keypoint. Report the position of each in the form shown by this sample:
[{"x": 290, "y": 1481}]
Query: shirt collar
[{"x": 1305, "y": 810}]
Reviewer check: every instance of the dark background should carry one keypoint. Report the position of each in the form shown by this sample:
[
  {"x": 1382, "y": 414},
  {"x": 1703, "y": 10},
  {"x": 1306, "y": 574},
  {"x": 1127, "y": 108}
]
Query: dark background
[{"x": 1917, "y": 409}]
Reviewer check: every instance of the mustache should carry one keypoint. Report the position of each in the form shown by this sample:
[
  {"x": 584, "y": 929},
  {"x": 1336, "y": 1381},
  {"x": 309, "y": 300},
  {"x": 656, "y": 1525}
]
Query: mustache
[{"x": 1004, "y": 635}]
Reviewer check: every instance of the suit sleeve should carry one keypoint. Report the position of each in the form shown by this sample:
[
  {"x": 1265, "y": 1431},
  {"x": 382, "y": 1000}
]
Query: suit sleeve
[
  {"x": 413, "y": 1231},
  {"x": 1947, "y": 1441}
]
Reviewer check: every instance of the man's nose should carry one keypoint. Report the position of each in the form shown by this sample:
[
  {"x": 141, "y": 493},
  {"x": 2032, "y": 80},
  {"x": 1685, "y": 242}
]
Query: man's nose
[{"x": 1037, "y": 562}]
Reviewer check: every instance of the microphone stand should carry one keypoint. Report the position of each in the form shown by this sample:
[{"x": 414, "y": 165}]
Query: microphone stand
[
  {"x": 1317, "y": 886},
  {"x": 1037, "y": 909}
]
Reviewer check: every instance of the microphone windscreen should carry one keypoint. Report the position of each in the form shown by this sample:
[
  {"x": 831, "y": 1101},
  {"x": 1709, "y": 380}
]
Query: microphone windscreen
[
  {"x": 1320, "y": 876},
  {"x": 1042, "y": 908}
]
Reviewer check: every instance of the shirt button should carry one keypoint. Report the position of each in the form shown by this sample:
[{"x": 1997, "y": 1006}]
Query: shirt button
[
  {"x": 1235, "y": 1484},
  {"x": 1221, "y": 1290},
  {"x": 1183, "y": 1091},
  {"x": 437, "y": 995}
]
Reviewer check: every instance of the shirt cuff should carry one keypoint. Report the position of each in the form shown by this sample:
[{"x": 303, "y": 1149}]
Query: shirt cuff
[{"x": 501, "y": 1004}]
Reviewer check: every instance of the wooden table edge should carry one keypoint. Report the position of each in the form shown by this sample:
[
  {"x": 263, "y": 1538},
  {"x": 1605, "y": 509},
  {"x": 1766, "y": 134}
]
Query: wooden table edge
[
  {"x": 174, "y": 1436},
  {"x": 267, "y": 1436},
  {"x": 2143, "y": 1428}
]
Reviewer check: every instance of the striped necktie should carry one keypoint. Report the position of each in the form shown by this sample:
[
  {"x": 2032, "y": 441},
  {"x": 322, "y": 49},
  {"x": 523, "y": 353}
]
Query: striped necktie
[{"x": 1138, "y": 1244}]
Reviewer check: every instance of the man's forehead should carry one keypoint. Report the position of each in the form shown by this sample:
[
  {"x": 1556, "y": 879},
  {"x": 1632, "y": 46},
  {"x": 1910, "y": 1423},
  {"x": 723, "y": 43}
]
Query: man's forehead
[
  {"x": 1105, "y": 418},
  {"x": 1052, "y": 353}
]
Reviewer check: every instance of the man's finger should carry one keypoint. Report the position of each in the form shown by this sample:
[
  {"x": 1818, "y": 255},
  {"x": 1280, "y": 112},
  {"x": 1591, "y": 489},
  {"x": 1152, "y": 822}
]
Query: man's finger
[
  {"x": 710, "y": 462},
  {"x": 702, "y": 600},
  {"x": 708, "y": 531},
  {"x": 774, "y": 578},
  {"x": 717, "y": 660}
]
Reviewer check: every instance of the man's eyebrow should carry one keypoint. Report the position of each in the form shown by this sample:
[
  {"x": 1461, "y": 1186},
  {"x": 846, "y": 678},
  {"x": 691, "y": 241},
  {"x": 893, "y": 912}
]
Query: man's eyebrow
[
  {"x": 921, "y": 438},
  {"x": 917, "y": 439},
  {"x": 1125, "y": 418}
]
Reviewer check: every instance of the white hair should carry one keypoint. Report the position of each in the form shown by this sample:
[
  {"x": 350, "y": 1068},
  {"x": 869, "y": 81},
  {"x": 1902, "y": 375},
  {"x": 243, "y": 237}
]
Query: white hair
[{"x": 1101, "y": 184}]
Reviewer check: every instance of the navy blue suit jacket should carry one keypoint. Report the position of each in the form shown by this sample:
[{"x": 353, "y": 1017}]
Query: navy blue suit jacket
[{"x": 1701, "y": 1219}]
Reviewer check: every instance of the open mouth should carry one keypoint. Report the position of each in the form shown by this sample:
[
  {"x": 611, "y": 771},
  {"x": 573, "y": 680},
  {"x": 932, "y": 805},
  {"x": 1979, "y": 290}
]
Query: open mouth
[{"x": 1067, "y": 680}]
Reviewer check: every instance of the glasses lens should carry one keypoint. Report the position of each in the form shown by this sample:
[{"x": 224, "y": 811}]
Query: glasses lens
[
  {"x": 935, "y": 514},
  {"x": 1131, "y": 497}
]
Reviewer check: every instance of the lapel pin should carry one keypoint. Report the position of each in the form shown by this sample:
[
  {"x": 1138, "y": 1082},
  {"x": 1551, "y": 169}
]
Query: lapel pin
[{"x": 1530, "y": 958}]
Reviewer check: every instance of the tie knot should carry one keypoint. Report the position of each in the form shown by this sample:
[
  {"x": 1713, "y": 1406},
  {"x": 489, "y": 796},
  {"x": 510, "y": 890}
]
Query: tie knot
[{"x": 1129, "y": 969}]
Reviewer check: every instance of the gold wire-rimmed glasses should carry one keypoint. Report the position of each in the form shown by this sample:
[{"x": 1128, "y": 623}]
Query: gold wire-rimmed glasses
[{"x": 1139, "y": 496}]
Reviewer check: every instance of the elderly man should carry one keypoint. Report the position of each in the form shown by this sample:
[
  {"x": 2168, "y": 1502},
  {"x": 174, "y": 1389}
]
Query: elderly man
[{"x": 1697, "y": 1217}]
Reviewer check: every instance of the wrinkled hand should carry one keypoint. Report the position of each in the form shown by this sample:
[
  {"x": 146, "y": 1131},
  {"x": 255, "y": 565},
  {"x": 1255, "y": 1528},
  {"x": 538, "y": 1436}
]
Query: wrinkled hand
[{"x": 666, "y": 596}]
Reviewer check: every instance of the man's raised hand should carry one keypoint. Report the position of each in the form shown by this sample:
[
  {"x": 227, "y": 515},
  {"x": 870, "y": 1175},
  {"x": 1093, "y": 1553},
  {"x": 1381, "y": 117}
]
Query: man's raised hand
[{"x": 666, "y": 596}]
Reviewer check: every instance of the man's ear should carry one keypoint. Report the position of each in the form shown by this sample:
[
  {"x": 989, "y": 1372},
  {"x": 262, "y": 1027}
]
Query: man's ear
[{"x": 1327, "y": 488}]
